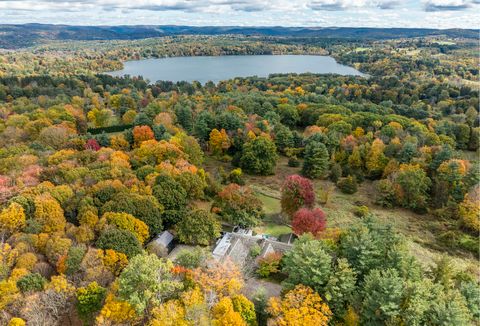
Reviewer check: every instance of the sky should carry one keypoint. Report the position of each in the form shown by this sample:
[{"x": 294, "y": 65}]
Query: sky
[{"x": 321, "y": 13}]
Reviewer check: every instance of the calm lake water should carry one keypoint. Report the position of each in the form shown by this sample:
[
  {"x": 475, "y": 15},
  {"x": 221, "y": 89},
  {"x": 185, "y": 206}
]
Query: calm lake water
[{"x": 219, "y": 68}]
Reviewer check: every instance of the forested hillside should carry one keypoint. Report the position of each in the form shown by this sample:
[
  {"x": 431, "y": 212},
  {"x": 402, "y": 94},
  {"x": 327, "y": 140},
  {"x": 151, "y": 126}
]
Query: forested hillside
[{"x": 376, "y": 177}]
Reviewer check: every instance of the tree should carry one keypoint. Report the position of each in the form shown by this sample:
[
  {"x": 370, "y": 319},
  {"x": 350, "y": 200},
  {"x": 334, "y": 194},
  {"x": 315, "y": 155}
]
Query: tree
[
  {"x": 412, "y": 185},
  {"x": 308, "y": 220},
  {"x": 371, "y": 245},
  {"x": 316, "y": 160},
  {"x": 245, "y": 308},
  {"x": 31, "y": 282},
  {"x": 219, "y": 279},
  {"x": 238, "y": 205},
  {"x": 270, "y": 264},
  {"x": 259, "y": 156},
  {"x": 283, "y": 138},
  {"x": 382, "y": 297},
  {"x": 376, "y": 160},
  {"x": 119, "y": 240},
  {"x": 169, "y": 193},
  {"x": 49, "y": 213},
  {"x": 307, "y": 263},
  {"x": 99, "y": 117},
  {"x": 12, "y": 218},
  {"x": 90, "y": 300},
  {"x": 198, "y": 228},
  {"x": 340, "y": 288},
  {"x": 142, "y": 133},
  {"x": 348, "y": 185},
  {"x": 219, "y": 141},
  {"x": 128, "y": 222},
  {"x": 300, "y": 306},
  {"x": 297, "y": 192},
  {"x": 146, "y": 281},
  {"x": 145, "y": 208},
  {"x": 224, "y": 314}
]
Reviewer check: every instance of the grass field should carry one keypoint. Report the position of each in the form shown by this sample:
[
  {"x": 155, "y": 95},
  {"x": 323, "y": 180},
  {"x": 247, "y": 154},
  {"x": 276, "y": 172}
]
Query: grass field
[{"x": 421, "y": 231}]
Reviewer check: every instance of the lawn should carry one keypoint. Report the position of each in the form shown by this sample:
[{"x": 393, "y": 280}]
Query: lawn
[{"x": 421, "y": 231}]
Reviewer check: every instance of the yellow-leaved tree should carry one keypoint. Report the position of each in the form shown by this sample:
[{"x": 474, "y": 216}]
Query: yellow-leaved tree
[
  {"x": 300, "y": 306},
  {"x": 12, "y": 218}
]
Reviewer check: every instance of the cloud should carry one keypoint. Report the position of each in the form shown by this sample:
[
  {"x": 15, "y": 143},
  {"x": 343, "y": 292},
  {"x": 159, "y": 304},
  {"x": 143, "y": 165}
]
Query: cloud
[
  {"x": 348, "y": 13},
  {"x": 447, "y": 5},
  {"x": 339, "y": 5}
]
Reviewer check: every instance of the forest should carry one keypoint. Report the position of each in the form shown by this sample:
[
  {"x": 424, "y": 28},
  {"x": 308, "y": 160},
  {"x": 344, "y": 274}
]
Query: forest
[{"x": 376, "y": 178}]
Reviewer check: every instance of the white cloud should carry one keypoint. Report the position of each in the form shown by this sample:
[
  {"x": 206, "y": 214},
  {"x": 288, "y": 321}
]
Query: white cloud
[{"x": 364, "y": 13}]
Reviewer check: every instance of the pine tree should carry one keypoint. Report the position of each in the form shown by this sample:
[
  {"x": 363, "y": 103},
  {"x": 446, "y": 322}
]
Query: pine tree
[{"x": 316, "y": 160}]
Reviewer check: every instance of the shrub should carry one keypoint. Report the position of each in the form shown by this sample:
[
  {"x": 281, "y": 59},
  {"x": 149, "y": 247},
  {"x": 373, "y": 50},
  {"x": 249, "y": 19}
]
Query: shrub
[
  {"x": 385, "y": 193},
  {"x": 361, "y": 211},
  {"x": 347, "y": 185},
  {"x": 31, "y": 282},
  {"x": 270, "y": 264}
]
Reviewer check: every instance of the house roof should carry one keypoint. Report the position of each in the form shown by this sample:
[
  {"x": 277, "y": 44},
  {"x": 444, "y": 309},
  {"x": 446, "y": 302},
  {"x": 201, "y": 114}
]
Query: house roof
[
  {"x": 237, "y": 246},
  {"x": 164, "y": 238}
]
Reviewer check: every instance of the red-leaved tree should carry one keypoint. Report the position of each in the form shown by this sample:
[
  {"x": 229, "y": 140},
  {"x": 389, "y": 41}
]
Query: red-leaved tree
[
  {"x": 309, "y": 220},
  {"x": 92, "y": 144},
  {"x": 297, "y": 192}
]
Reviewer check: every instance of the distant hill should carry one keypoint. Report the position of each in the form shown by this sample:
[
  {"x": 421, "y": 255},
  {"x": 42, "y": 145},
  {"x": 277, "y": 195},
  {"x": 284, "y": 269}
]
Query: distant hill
[{"x": 18, "y": 36}]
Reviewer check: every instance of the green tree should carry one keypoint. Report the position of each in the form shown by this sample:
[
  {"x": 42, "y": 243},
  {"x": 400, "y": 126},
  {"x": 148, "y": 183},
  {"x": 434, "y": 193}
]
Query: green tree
[
  {"x": 169, "y": 193},
  {"x": 382, "y": 297},
  {"x": 340, "y": 287},
  {"x": 307, "y": 263},
  {"x": 316, "y": 160},
  {"x": 145, "y": 208},
  {"x": 147, "y": 281},
  {"x": 89, "y": 300},
  {"x": 119, "y": 240},
  {"x": 199, "y": 227},
  {"x": 412, "y": 187},
  {"x": 31, "y": 282},
  {"x": 259, "y": 156}
]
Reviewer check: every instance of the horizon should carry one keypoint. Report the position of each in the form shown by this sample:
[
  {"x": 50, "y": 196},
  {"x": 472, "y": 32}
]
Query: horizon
[
  {"x": 432, "y": 14},
  {"x": 238, "y": 26}
]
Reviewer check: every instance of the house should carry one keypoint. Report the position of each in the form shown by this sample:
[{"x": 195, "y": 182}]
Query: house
[
  {"x": 237, "y": 246},
  {"x": 162, "y": 244}
]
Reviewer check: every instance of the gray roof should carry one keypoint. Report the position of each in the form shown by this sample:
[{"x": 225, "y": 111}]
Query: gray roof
[
  {"x": 164, "y": 238},
  {"x": 237, "y": 246}
]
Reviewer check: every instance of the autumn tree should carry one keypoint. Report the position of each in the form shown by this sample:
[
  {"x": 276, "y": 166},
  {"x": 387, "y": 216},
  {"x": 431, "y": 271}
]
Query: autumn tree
[
  {"x": 308, "y": 220},
  {"x": 297, "y": 192},
  {"x": 127, "y": 222},
  {"x": 224, "y": 314},
  {"x": 142, "y": 133},
  {"x": 145, "y": 208},
  {"x": 376, "y": 159},
  {"x": 219, "y": 141},
  {"x": 12, "y": 218},
  {"x": 49, "y": 213},
  {"x": 300, "y": 306}
]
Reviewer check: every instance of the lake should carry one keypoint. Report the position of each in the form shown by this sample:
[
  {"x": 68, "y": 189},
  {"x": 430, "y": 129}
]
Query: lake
[{"x": 217, "y": 68}]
